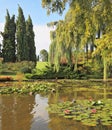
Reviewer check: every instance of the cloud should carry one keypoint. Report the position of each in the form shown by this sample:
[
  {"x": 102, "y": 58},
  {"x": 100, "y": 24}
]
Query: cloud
[
  {"x": 1, "y": 30},
  {"x": 42, "y": 36},
  {"x": 1, "y": 26}
]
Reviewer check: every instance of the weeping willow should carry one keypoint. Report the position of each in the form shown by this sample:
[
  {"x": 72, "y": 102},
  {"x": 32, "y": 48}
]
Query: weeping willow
[
  {"x": 83, "y": 22},
  {"x": 69, "y": 35},
  {"x": 52, "y": 48}
]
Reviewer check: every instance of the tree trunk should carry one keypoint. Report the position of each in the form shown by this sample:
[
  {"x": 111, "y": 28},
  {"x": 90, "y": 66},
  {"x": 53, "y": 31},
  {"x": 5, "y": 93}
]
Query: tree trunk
[
  {"x": 87, "y": 52},
  {"x": 105, "y": 68},
  {"x": 75, "y": 65}
]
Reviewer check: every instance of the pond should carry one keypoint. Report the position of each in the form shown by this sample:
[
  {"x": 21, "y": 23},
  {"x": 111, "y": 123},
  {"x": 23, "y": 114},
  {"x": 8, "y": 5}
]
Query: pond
[{"x": 29, "y": 112}]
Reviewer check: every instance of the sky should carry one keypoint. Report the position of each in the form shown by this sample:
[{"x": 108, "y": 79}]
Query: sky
[{"x": 38, "y": 15}]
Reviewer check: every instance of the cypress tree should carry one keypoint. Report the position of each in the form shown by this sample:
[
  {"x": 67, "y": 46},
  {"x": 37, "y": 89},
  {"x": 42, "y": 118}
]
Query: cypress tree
[
  {"x": 21, "y": 36},
  {"x": 8, "y": 51},
  {"x": 30, "y": 40},
  {"x": 12, "y": 39}
]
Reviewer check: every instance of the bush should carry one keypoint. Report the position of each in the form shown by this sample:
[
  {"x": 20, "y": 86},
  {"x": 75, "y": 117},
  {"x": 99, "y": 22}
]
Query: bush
[
  {"x": 28, "y": 75},
  {"x": 64, "y": 72},
  {"x": 14, "y": 68},
  {"x": 84, "y": 71},
  {"x": 26, "y": 70}
]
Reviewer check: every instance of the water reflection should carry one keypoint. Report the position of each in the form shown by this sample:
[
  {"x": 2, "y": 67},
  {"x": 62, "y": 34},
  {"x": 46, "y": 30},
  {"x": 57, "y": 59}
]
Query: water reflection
[
  {"x": 15, "y": 112},
  {"x": 40, "y": 115},
  {"x": 68, "y": 94},
  {"x": 30, "y": 113},
  {"x": 61, "y": 123}
]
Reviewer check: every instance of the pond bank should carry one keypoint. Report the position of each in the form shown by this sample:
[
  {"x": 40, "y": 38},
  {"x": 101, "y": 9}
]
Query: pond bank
[{"x": 37, "y": 86}]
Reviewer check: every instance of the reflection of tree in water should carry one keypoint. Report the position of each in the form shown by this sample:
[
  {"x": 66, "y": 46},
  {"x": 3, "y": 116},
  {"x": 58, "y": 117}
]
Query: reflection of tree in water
[
  {"x": 15, "y": 112},
  {"x": 61, "y": 123}
]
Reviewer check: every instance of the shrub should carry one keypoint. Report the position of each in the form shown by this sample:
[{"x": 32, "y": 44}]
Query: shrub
[
  {"x": 14, "y": 68},
  {"x": 26, "y": 70},
  {"x": 28, "y": 75}
]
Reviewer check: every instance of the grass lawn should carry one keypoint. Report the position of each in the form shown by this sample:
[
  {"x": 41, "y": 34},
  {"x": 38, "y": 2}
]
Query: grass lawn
[{"x": 42, "y": 65}]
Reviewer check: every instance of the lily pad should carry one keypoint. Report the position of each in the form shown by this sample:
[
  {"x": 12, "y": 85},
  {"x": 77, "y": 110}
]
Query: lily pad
[{"x": 86, "y": 113}]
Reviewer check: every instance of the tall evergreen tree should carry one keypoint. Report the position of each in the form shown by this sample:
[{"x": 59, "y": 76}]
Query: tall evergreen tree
[
  {"x": 12, "y": 39},
  {"x": 8, "y": 51},
  {"x": 21, "y": 36},
  {"x": 30, "y": 40}
]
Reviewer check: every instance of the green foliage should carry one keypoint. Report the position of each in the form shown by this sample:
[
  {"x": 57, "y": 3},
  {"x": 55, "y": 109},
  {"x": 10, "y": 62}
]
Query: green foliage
[
  {"x": 23, "y": 30},
  {"x": 90, "y": 113},
  {"x": 28, "y": 75},
  {"x": 41, "y": 65},
  {"x": 43, "y": 70},
  {"x": 14, "y": 68},
  {"x": 30, "y": 40},
  {"x": 22, "y": 48},
  {"x": 26, "y": 50},
  {"x": 83, "y": 22},
  {"x": 94, "y": 69},
  {"x": 52, "y": 48},
  {"x": 26, "y": 69},
  {"x": 9, "y": 49},
  {"x": 54, "y": 5},
  {"x": 72, "y": 34},
  {"x": 46, "y": 71},
  {"x": 43, "y": 55},
  {"x": 106, "y": 43},
  {"x": 27, "y": 89}
]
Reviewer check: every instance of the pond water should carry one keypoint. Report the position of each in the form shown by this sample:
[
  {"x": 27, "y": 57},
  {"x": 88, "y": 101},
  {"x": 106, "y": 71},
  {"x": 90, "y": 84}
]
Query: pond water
[{"x": 29, "y": 112}]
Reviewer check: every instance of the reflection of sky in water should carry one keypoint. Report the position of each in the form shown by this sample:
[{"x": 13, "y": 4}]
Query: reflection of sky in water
[
  {"x": 40, "y": 115},
  {"x": 26, "y": 112}
]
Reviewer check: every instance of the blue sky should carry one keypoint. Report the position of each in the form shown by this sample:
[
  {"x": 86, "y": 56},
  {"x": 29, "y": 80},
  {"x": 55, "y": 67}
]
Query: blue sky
[
  {"x": 38, "y": 15},
  {"x": 32, "y": 7}
]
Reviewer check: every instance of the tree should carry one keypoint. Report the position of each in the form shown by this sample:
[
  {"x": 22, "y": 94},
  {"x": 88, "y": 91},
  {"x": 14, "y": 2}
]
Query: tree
[
  {"x": 22, "y": 47},
  {"x": 74, "y": 32},
  {"x": 44, "y": 55},
  {"x": 52, "y": 47},
  {"x": 30, "y": 40},
  {"x": 54, "y": 5},
  {"x": 104, "y": 41},
  {"x": 106, "y": 53},
  {"x": 83, "y": 21},
  {"x": 13, "y": 42},
  {"x": 8, "y": 51}
]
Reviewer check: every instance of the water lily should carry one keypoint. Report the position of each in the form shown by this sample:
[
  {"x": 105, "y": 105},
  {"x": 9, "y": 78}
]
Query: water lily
[
  {"x": 90, "y": 99},
  {"x": 67, "y": 111},
  {"x": 93, "y": 111},
  {"x": 99, "y": 102}
]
